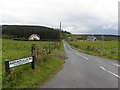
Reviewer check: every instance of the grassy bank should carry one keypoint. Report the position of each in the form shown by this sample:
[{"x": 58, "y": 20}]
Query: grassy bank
[
  {"x": 95, "y": 48},
  {"x": 23, "y": 76}
]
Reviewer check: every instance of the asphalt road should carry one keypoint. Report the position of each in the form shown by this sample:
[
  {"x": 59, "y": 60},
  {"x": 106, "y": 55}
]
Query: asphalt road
[{"x": 85, "y": 71}]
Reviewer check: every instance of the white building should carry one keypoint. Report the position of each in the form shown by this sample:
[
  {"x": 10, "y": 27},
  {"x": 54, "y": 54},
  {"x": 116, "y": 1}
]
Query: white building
[
  {"x": 91, "y": 38},
  {"x": 34, "y": 37}
]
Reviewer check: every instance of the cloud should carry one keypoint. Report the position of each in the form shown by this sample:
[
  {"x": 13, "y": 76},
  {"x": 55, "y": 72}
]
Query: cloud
[{"x": 77, "y": 16}]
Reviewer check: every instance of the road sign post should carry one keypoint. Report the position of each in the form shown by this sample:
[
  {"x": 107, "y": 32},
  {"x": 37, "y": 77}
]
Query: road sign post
[
  {"x": 7, "y": 68},
  {"x": 14, "y": 63},
  {"x": 33, "y": 62}
]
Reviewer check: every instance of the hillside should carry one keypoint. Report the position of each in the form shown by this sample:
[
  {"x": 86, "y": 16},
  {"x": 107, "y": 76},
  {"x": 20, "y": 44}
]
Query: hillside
[{"x": 24, "y": 31}]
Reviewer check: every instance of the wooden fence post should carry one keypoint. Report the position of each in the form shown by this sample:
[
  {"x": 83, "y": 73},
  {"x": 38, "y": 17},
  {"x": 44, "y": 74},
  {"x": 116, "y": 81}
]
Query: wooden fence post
[
  {"x": 33, "y": 55},
  {"x": 7, "y": 68},
  {"x": 33, "y": 49}
]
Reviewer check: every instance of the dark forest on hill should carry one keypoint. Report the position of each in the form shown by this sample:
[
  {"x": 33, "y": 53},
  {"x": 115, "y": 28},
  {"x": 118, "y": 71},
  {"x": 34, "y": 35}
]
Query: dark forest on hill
[{"x": 24, "y": 31}]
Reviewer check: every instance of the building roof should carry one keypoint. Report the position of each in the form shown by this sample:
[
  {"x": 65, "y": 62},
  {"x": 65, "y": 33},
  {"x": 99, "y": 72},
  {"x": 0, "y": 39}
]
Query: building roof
[
  {"x": 34, "y": 35},
  {"x": 91, "y": 37}
]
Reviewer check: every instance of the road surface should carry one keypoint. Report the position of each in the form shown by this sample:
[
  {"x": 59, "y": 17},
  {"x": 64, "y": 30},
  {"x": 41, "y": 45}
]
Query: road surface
[{"x": 85, "y": 71}]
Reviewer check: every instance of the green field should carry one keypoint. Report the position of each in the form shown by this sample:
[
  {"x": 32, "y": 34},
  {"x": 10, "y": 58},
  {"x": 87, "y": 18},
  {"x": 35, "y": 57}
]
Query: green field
[
  {"x": 95, "y": 48},
  {"x": 23, "y": 76}
]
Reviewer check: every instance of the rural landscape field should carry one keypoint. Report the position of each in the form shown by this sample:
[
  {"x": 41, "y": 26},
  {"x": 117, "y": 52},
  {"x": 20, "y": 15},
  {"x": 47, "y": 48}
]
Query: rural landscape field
[
  {"x": 49, "y": 50},
  {"x": 24, "y": 76},
  {"x": 59, "y": 44},
  {"x": 109, "y": 48},
  {"x": 95, "y": 48},
  {"x": 53, "y": 54}
]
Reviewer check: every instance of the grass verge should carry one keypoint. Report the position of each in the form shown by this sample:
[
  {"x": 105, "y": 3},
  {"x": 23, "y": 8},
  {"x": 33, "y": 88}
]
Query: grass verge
[{"x": 110, "y": 50}]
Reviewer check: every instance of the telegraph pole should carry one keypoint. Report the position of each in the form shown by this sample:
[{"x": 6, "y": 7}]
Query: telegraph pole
[
  {"x": 60, "y": 26},
  {"x": 102, "y": 37},
  {"x": 60, "y": 32}
]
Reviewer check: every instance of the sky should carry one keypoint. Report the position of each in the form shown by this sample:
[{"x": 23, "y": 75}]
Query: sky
[{"x": 76, "y": 16}]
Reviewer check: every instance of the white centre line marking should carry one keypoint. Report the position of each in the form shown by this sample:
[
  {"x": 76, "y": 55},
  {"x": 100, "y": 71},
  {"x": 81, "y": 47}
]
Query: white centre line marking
[
  {"x": 116, "y": 65},
  {"x": 82, "y": 56},
  {"x": 110, "y": 72}
]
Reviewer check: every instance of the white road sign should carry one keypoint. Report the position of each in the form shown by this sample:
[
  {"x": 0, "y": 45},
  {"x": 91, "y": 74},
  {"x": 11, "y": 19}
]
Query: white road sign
[{"x": 20, "y": 61}]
